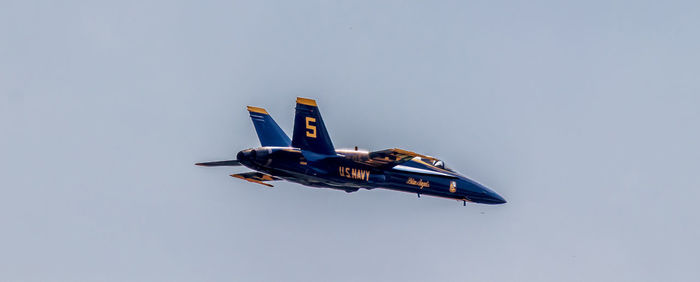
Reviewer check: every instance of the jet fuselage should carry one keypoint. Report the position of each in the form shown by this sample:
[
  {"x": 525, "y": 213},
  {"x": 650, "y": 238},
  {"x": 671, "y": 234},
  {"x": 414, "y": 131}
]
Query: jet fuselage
[{"x": 345, "y": 171}]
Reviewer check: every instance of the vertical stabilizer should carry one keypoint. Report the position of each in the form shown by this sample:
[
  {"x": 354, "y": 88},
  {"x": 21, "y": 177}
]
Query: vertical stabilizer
[
  {"x": 310, "y": 133},
  {"x": 269, "y": 133}
]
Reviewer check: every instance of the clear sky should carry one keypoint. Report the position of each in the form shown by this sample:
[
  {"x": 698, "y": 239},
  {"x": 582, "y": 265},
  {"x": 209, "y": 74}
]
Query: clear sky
[{"x": 583, "y": 114}]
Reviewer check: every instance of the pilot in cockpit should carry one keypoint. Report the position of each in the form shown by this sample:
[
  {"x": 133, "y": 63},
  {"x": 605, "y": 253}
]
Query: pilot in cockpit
[{"x": 440, "y": 164}]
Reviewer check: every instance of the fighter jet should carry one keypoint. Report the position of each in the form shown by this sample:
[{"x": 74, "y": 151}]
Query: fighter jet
[{"x": 310, "y": 159}]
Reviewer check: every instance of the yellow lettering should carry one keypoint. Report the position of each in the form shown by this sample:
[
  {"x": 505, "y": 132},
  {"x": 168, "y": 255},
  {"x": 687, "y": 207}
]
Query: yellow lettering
[
  {"x": 354, "y": 173},
  {"x": 311, "y": 132},
  {"x": 420, "y": 183}
]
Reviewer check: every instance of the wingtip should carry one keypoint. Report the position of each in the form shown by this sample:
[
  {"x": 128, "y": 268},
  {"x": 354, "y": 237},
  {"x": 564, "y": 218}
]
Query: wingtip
[
  {"x": 306, "y": 101},
  {"x": 257, "y": 110}
]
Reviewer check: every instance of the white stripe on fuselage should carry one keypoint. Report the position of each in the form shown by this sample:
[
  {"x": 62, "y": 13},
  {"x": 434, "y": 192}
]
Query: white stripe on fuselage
[{"x": 418, "y": 170}]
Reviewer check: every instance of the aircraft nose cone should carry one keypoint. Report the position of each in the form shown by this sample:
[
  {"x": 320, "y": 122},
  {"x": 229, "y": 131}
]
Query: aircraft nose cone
[
  {"x": 495, "y": 198},
  {"x": 482, "y": 194},
  {"x": 488, "y": 196}
]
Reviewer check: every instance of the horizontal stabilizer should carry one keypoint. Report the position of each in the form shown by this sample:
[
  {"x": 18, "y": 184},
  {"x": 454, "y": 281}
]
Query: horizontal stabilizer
[
  {"x": 256, "y": 177},
  {"x": 220, "y": 163}
]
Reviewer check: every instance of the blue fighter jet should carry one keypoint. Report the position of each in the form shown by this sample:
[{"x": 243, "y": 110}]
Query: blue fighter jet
[{"x": 310, "y": 159}]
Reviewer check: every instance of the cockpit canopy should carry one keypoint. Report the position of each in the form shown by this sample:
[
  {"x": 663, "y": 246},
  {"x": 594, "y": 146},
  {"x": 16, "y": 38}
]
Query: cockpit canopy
[
  {"x": 439, "y": 163},
  {"x": 433, "y": 162}
]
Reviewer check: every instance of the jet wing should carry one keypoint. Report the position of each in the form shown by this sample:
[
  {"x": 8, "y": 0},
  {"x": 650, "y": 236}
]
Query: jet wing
[
  {"x": 256, "y": 177},
  {"x": 392, "y": 157}
]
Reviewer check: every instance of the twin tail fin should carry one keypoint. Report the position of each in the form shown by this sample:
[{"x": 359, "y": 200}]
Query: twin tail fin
[
  {"x": 310, "y": 132},
  {"x": 269, "y": 133}
]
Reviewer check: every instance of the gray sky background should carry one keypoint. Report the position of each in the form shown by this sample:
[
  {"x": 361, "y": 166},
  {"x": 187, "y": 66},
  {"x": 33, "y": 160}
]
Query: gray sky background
[{"x": 582, "y": 114}]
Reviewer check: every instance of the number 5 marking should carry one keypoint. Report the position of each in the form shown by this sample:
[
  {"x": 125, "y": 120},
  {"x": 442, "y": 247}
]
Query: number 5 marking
[{"x": 311, "y": 132}]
